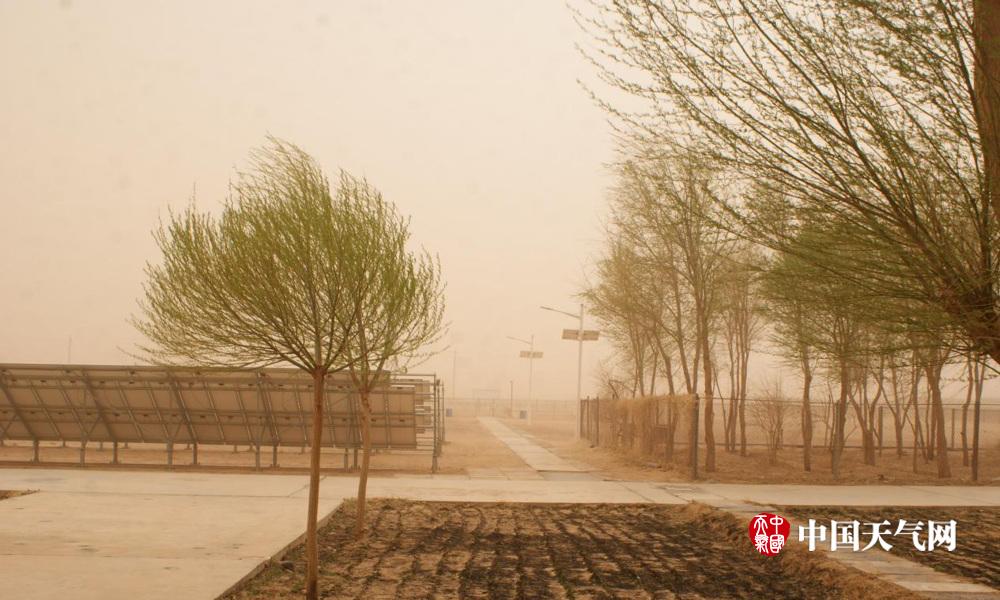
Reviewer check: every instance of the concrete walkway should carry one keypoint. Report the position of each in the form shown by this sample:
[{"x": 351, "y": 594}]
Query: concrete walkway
[
  {"x": 108, "y": 535},
  {"x": 538, "y": 458}
]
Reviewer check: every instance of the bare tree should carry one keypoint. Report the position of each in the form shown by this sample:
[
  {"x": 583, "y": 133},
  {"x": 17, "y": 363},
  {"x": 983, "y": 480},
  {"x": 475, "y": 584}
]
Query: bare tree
[
  {"x": 676, "y": 208},
  {"x": 261, "y": 284},
  {"x": 742, "y": 323},
  {"x": 769, "y": 412},
  {"x": 903, "y": 378},
  {"x": 790, "y": 321}
]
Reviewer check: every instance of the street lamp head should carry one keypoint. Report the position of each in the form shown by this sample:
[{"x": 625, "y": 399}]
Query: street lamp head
[{"x": 556, "y": 310}]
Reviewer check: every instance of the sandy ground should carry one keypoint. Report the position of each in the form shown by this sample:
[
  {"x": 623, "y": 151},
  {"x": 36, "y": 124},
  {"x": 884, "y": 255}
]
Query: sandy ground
[
  {"x": 467, "y": 444},
  {"x": 459, "y": 550},
  {"x": 975, "y": 557},
  {"x": 732, "y": 468}
]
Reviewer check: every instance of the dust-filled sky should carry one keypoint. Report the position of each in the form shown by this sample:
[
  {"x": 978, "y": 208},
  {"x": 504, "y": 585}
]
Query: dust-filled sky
[{"x": 468, "y": 115}]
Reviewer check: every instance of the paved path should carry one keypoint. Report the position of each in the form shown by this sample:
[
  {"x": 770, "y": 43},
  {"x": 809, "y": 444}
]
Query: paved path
[
  {"x": 538, "y": 458},
  {"x": 189, "y": 535},
  {"x": 105, "y": 535}
]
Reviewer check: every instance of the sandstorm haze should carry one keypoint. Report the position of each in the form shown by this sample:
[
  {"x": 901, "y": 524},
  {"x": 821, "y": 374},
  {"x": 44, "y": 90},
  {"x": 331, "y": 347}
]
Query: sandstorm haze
[{"x": 468, "y": 116}]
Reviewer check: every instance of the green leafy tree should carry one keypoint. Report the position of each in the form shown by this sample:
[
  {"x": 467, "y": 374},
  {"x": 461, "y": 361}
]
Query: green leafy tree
[
  {"x": 262, "y": 284},
  {"x": 879, "y": 113},
  {"x": 396, "y": 299}
]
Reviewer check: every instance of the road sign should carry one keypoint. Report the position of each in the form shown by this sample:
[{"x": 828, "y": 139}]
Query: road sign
[
  {"x": 529, "y": 354},
  {"x": 589, "y": 335}
]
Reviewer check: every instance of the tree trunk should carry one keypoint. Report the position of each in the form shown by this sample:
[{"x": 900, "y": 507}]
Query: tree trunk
[
  {"x": 930, "y": 417},
  {"x": 934, "y": 380},
  {"x": 366, "y": 444},
  {"x": 807, "y": 426},
  {"x": 986, "y": 32},
  {"x": 972, "y": 372},
  {"x": 709, "y": 405},
  {"x": 840, "y": 418},
  {"x": 975, "y": 438},
  {"x": 312, "y": 543}
]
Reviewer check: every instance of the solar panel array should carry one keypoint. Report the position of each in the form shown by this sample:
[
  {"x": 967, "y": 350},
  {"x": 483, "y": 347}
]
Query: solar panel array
[{"x": 170, "y": 405}]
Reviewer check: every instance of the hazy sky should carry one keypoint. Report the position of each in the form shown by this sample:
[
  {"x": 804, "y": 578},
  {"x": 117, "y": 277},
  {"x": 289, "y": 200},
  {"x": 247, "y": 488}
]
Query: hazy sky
[{"x": 467, "y": 115}]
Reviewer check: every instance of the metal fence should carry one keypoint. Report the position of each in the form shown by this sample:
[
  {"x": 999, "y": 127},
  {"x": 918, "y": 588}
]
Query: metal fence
[
  {"x": 509, "y": 408},
  {"x": 161, "y": 405}
]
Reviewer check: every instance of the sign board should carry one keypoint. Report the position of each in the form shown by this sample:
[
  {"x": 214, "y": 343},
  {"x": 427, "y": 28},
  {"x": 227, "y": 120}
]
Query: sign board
[
  {"x": 589, "y": 335},
  {"x": 529, "y": 354}
]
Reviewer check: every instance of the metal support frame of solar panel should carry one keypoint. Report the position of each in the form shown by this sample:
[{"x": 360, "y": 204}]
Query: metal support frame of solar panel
[{"x": 169, "y": 405}]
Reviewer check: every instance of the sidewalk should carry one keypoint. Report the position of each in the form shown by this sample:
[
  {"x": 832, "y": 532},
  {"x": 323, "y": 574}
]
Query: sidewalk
[{"x": 537, "y": 457}]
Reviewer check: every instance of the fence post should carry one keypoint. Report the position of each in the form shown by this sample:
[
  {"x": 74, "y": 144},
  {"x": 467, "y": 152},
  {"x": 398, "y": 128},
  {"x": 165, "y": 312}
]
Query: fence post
[
  {"x": 597, "y": 436},
  {"x": 694, "y": 437}
]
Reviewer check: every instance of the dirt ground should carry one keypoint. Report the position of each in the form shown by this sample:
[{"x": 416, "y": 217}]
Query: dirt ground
[
  {"x": 976, "y": 555},
  {"x": 467, "y": 444},
  {"x": 458, "y": 550},
  {"x": 732, "y": 468}
]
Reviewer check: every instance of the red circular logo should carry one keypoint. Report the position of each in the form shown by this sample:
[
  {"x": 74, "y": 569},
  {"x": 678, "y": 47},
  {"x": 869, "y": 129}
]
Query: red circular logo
[{"x": 769, "y": 533}]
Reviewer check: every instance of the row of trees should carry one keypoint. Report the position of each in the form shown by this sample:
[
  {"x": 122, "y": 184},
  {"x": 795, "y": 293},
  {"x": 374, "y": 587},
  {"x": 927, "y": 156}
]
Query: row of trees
[
  {"x": 295, "y": 272},
  {"x": 829, "y": 168}
]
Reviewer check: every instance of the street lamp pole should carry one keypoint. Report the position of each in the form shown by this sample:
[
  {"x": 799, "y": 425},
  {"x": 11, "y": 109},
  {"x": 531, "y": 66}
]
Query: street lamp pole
[
  {"x": 579, "y": 376},
  {"x": 579, "y": 364},
  {"x": 531, "y": 361},
  {"x": 531, "y": 371}
]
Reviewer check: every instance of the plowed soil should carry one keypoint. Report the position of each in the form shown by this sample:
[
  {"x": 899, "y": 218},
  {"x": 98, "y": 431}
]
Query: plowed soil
[{"x": 456, "y": 550}]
